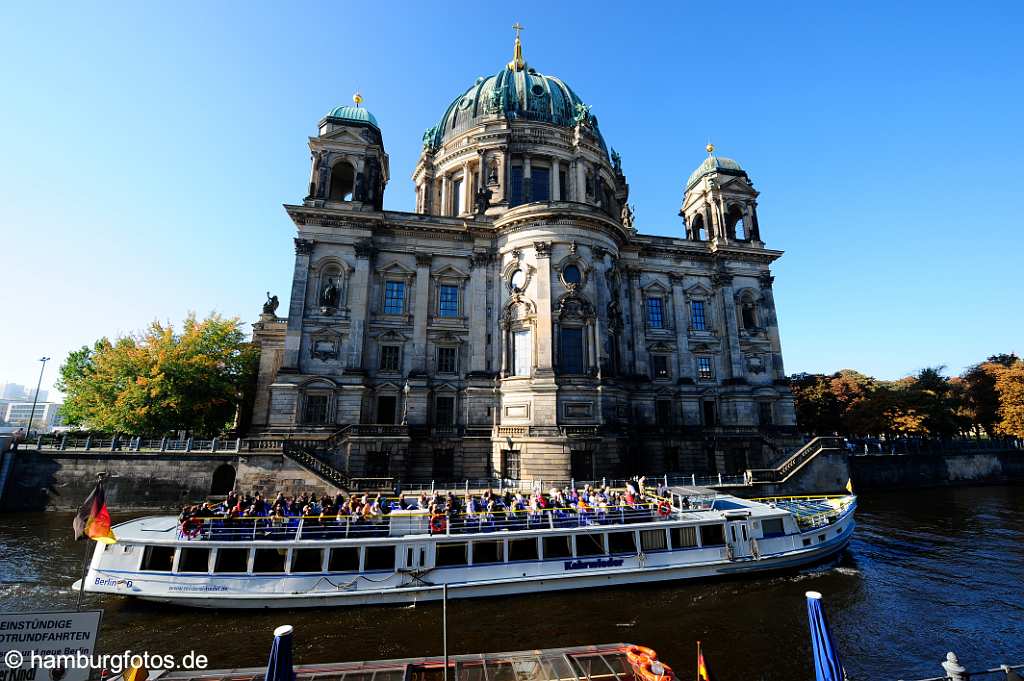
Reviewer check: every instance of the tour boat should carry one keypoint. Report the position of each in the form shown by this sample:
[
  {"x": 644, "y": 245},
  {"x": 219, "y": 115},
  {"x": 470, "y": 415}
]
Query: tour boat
[{"x": 408, "y": 556}]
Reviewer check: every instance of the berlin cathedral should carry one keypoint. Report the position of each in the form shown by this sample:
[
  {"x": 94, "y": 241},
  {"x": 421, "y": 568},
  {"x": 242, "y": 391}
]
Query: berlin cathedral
[{"x": 517, "y": 325}]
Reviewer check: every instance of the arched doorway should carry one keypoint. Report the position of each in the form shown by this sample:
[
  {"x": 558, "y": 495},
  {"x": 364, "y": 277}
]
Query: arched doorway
[{"x": 223, "y": 480}]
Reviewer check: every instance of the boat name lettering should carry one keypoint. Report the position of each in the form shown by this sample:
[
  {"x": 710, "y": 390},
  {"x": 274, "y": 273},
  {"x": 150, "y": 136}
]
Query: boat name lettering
[
  {"x": 116, "y": 583},
  {"x": 599, "y": 563}
]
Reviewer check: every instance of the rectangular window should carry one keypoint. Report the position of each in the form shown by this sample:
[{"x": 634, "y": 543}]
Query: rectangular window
[
  {"x": 448, "y": 301},
  {"x": 444, "y": 411},
  {"x": 661, "y": 368},
  {"x": 570, "y": 350},
  {"x": 380, "y": 558},
  {"x": 394, "y": 297},
  {"x": 390, "y": 358},
  {"x": 522, "y": 549},
  {"x": 344, "y": 559},
  {"x": 684, "y": 537},
  {"x": 231, "y": 560},
  {"x": 663, "y": 412},
  {"x": 194, "y": 560},
  {"x": 268, "y": 560},
  {"x": 444, "y": 465},
  {"x": 540, "y": 184},
  {"x": 712, "y": 535},
  {"x": 457, "y": 197},
  {"x": 510, "y": 464},
  {"x": 490, "y": 552},
  {"x": 316, "y": 409},
  {"x": 653, "y": 540},
  {"x": 557, "y": 547},
  {"x": 710, "y": 414},
  {"x": 515, "y": 189},
  {"x": 378, "y": 464},
  {"x": 446, "y": 360},
  {"x": 158, "y": 558},
  {"x": 697, "y": 318},
  {"x": 621, "y": 542},
  {"x": 307, "y": 560},
  {"x": 764, "y": 413},
  {"x": 772, "y": 527},
  {"x": 452, "y": 554},
  {"x": 386, "y": 408},
  {"x": 522, "y": 352},
  {"x": 590, "y": 544},
  {"x": 655, "y": 313},
  {"x": 705, "y": 369}
]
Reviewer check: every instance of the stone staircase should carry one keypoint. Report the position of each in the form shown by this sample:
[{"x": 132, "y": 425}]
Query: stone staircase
[
  {"x": 308, "y": 454},
  {"x": 785, "y": 470}
]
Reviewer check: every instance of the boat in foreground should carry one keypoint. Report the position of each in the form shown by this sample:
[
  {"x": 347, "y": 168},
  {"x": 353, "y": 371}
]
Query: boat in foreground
[{"x": 408, "y": 556}]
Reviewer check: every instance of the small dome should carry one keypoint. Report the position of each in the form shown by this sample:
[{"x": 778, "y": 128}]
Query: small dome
[
  {"x": 714, "y": 164},
  {"x": 354, "y": 113}
]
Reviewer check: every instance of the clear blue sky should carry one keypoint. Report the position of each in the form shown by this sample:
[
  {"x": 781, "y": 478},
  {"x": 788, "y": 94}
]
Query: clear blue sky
[{"x": 145, "y": 151}]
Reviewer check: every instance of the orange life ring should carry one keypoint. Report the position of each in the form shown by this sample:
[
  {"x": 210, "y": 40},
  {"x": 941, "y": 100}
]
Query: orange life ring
[
  {"x": 438, "y": 523},
  {"x": 647, "y": 672},
  {"x": 192, "y": 527},
  {"x": 638, "y": 655},
  {"x": 664, "y": 509}
]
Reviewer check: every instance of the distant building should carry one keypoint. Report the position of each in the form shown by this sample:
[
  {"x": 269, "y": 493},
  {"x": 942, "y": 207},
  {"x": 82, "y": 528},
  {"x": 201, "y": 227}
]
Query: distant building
[{"x": 47, "y": 414}]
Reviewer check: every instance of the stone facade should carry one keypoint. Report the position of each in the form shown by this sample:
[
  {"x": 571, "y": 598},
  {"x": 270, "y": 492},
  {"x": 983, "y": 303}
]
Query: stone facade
[{"x": 517, "y": 325}]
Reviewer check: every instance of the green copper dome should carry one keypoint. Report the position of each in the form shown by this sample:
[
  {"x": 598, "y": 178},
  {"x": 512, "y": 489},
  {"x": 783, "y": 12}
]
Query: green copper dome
[
  {"x": 354, "y": 113},
  {"x": 514, "y": 94},
  {"x": 715, "y": 164}
]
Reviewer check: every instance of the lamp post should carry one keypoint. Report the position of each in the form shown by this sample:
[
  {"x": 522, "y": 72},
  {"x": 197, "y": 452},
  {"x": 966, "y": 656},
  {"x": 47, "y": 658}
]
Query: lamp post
[{"x": 35, "y": 399}]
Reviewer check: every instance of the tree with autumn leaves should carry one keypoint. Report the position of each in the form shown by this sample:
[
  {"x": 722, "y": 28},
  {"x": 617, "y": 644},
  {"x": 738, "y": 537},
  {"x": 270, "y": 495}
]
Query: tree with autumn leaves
[
  {"x": 160, "y": 380},
  {"x": 986, "y": 399}
]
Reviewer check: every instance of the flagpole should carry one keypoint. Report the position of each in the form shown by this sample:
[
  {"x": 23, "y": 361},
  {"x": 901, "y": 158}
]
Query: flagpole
[{"x": 85, "y": 570}]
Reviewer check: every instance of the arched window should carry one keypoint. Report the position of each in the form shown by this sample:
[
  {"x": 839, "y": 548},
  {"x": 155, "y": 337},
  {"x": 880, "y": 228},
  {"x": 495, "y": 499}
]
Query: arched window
[
  {"x": 748, "y": 312},
  {"x": 734, "y": 223},
  {"x": 697, "y": 228},
  {"x": 343, "y": 177}
]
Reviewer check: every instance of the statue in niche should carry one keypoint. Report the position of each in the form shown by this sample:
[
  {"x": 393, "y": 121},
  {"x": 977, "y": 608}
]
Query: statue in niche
[
  {"x": 323, "y": 174},
  {"x": 483, "y": 199},
  {"x": 270, "y": 307},
  {"x": 329, "y": 294},
  {"x": 492, "y": 173},
  {"x": 627, "y": 216}
]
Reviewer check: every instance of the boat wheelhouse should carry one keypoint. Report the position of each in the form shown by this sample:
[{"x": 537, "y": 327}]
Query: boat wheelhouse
[{"x": 408, "y": 556}]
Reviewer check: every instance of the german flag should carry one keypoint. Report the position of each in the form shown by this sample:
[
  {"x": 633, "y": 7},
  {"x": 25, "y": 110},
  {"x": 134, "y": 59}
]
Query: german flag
[
  {"x": 702, "y": 668},
  {"x": 93, "y": 519}
]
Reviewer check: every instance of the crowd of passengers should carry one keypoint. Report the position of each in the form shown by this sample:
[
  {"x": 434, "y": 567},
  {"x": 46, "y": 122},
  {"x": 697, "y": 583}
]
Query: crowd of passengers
[{"x": 507, "y": 507}]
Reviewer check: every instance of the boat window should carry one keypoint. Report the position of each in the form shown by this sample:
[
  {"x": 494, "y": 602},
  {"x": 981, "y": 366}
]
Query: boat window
[
  {"x": 557, "y": 547},
  {"x": 807, "y": 542},
  {"x": 653, "y": 540},
  {"x": 452, "y": 553},
  {"x": 231, "y": 560},
  {"x": 307, "y": 560},
  {"x": 522, "y": 549},
  {"x": 344, "y": 559},
  {"x": 194, "y": 560},
  {"x": 712, "y": 535},
  {"x": 821, "y": 537},
  {"x": 744, "y": 529},
  {"x": 621, "y": 542},
  {"x": 772, "y": 527},
  {"x": 158, "y": 558},
  {"x": 269, "y": 560},
  {"x": 491, "y": 551},
  {"x": 684, "y": 537},
  {"x": 380, "y": 558},
  {"x": 590, "y": 544}
]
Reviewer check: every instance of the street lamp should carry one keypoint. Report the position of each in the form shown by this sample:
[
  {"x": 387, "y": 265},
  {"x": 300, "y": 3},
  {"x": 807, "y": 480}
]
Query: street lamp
[{"x": 32, "y": 414}]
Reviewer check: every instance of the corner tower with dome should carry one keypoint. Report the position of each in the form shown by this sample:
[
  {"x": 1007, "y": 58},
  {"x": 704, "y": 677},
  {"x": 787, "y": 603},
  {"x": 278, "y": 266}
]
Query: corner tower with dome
[{"x": 517, "y": 325}]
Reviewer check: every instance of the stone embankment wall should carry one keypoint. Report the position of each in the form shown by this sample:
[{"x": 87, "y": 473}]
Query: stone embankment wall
[
  {"x": 61, "y": 481},
  {"x": 928, "y": 470}
]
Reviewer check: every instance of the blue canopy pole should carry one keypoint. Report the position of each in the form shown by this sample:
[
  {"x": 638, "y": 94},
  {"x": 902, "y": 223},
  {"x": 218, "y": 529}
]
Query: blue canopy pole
[
  {"x": 279, "y": 666},
  {"x": 827, "y": 666}
]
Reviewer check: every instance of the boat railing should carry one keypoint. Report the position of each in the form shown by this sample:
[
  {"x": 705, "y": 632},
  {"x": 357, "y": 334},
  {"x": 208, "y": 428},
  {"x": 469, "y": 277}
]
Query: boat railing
[
  {"x": 811, "y": 511},
  {"x": 292, "y": 528}
]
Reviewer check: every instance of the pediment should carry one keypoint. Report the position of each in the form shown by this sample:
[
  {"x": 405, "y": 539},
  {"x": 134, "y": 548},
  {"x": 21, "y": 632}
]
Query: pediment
[
  {"x": 656, "y": 287},
  {"x": 698, "y": 291},
  {"x": 449, "y": 272},
  {"x": 391, "y": 335},
  {"x": 395, "y": 268}
]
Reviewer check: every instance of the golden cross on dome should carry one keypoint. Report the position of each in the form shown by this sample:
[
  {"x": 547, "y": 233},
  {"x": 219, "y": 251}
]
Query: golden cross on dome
[{"x": 517, "y": 62}]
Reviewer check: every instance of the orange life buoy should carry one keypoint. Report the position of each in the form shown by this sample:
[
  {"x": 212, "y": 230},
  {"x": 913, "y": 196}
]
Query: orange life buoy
[
  {"x": 438, "y": 523},
  {"x": 647, "y": 672},
  {"x": 637, "y": 655},
  {"x": 664, "y": 508},
  {"x": 192, "y": 527}
]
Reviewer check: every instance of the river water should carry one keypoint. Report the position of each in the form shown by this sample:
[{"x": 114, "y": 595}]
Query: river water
[{"x": 928, "y": 571}]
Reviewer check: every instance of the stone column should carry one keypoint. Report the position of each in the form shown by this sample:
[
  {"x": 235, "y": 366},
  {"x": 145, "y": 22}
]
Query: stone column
[
  {"x": 771, "y": 323},
  {"x": 723, "y": 282},
  {"x": 556, "y": 182},
  {"x": 599, "y": 292},
  {"x": 581, "y": 181},
  {"x": 475, "y": 306},
  {"x": 467, "y": 186},
  {"x": 544, "y": 362},
  {"x": 684, "y": 357},
  {"x": 297, "y": 304},
  {"x": 527, "y": 180},
  {"x": 636, "y": 296},
  {"x": 443, "y": 209},
  {"x": 359, "y": 302},
  {"x": 420, "y": 314}
]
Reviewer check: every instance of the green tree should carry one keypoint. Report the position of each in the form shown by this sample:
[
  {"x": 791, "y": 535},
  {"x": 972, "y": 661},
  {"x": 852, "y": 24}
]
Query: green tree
[
  {"x": 817, "y": 410},
  {"x": 161, "y": 380}
]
